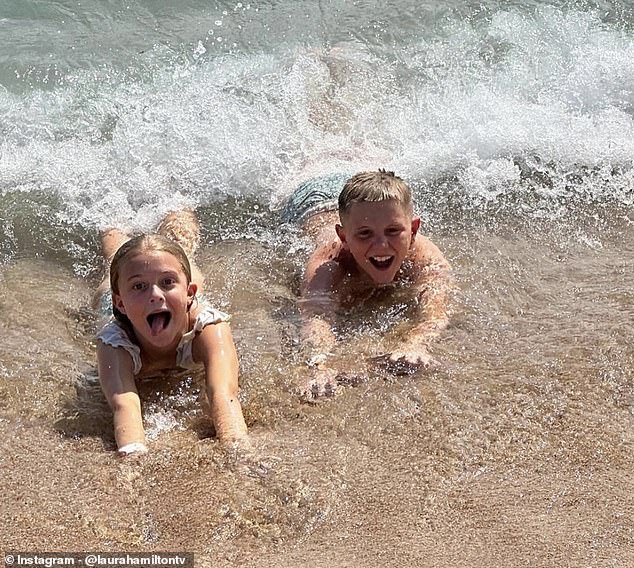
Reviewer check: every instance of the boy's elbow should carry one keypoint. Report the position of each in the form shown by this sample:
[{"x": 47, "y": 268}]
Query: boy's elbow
[{"x": 442, "y": 323}]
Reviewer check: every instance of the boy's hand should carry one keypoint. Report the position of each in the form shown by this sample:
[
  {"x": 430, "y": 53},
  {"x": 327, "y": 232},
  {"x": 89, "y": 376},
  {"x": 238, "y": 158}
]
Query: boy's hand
[
  {"x": 325, "y": 382},
  {"x": 406, "y": 362},
  {"x": 420, "y": 357},
  {"x": 321, "y": 383}
]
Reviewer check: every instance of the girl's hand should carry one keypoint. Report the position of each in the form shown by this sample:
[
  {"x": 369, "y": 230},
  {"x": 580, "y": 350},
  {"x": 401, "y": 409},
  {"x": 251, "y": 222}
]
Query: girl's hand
[{"x": 135, "y": 448}]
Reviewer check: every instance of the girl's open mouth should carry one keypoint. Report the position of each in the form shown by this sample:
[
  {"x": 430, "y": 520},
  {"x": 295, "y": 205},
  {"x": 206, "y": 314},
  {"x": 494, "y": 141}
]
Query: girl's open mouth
[
  {"x": 381, "y": 262},
  {"x": 158, "y": 321}
]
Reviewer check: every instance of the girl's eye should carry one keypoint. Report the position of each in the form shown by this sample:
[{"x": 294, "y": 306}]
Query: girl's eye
[{"x": 138, "y": 286}]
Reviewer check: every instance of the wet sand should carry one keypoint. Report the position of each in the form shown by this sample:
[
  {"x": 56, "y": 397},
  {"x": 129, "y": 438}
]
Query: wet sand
[{"x": 516, "y": 451}]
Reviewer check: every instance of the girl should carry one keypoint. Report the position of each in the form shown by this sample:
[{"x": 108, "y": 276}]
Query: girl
[{"x": 158, "y": 324}]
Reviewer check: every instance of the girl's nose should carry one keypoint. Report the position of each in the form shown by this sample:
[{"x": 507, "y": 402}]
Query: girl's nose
[{"x": 156, "y": 293}]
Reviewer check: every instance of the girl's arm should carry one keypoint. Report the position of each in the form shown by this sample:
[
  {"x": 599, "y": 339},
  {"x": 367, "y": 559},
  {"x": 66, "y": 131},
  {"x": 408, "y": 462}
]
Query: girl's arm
[
  {"x": 116, "y": 375},
  {"x": 214, "y": 347}
]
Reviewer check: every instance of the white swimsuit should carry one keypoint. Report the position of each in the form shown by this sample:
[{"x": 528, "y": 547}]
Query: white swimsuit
[{"x": 113, "y": 334}]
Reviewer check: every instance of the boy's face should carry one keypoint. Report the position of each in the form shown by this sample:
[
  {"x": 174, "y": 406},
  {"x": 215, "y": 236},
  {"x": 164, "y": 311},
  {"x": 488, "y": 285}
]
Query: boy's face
[{"x": 379, "y": 236}]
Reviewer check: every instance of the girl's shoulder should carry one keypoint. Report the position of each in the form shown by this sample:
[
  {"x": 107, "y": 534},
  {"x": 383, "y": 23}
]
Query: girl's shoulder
[
  {"x": 204, "y": 316},
  {"x": 113, "y": 334}
]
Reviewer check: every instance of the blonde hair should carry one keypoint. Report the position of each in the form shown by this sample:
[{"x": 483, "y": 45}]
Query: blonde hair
[
  {"x": 142, "y": 244},
  {"x": 373, "y": 187}
]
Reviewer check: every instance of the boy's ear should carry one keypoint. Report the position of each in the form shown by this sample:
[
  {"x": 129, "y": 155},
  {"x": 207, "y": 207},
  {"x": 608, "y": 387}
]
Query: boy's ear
[
  {"x": 341, "y": 233},
  {"x": 415, "y": 226},
  {"x": 118, "y": 303}
]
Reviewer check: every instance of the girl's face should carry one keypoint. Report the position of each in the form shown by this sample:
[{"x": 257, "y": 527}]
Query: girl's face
[{"x": 154, "y": 294}]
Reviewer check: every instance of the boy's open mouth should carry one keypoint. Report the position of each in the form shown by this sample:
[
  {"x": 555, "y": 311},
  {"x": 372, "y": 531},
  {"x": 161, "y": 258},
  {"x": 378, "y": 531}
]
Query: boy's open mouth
[
  {"x": 381, "y": 262},
  {"x": 158, "y": 321}
]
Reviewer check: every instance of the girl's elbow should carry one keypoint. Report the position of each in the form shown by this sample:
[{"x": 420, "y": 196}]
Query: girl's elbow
[
  {"x": 125, "y": 402},
  {"x": 228, "y": 391}
]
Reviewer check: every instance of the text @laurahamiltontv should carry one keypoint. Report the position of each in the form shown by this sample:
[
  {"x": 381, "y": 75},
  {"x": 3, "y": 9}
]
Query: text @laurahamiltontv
[{"x": 98, "y": 559}]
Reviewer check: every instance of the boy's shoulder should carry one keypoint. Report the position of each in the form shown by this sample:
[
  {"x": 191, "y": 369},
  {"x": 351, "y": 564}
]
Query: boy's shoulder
[
  {"x": 326, "y": 265},
  {"x": 426, "y": 253}
]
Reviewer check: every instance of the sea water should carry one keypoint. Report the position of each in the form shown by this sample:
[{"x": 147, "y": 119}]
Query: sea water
[{"x": 512, "y": 122}]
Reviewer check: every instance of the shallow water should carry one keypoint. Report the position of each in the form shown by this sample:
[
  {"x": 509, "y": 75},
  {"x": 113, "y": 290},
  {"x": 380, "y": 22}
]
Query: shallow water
[
  {"x": 516, "y": 450},
  {"x": 513, "y": 124}
]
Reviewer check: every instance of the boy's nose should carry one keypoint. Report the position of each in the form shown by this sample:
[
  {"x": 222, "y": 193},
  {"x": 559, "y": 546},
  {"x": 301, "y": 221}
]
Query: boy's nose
[{"x": 380, "y": 241}]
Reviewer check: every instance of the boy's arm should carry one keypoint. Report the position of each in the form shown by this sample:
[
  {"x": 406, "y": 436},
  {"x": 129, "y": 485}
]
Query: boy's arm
[
  {"x": 214, "y": 346},
  {"x": 319, "y": 303},
  {"x": 116, "y": 375},
  {"x": 433, "y": 281},
  {"x": 318, "y": 308}
]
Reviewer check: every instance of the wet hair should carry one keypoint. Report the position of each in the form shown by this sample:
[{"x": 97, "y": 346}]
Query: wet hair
[
  {"x": 142, "y": 244},
  {"x": 374, "y": 187}
]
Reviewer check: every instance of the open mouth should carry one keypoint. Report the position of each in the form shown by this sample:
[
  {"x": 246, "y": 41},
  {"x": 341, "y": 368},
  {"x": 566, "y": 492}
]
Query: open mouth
[
  {"x": 381, "y": 262},
  {"x": 158, "y": 321}
]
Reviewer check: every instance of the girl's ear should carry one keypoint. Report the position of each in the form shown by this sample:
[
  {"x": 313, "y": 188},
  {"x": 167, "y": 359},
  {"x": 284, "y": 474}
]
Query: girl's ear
[
  {"x": 341, "y": 233},
  {"x": 191, "y": 292},
  {"x": 117, "y": 302}
]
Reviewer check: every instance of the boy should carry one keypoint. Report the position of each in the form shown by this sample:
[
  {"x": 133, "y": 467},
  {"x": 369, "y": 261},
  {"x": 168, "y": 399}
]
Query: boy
[{"x": 376, "y": 248}]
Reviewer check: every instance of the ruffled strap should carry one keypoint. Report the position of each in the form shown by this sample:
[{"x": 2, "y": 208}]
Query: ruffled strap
[
  {"x": 114, "y": 335},
  {"x": 208, "y": 316}
]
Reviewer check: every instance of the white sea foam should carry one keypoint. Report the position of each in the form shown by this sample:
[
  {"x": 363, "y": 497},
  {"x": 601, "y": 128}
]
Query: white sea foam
[{"x": 465, "y": 98}]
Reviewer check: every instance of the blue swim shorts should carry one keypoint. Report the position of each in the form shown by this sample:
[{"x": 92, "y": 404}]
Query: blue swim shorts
[{"x": 316, "y": 195}]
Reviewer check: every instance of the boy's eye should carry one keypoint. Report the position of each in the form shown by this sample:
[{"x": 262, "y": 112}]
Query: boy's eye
[
  {"x": 394, "y": 231},
  {"x": 364, "y": 234},
  {"x": 138, "y": 286},
  {"x": 169, "y": 281}
]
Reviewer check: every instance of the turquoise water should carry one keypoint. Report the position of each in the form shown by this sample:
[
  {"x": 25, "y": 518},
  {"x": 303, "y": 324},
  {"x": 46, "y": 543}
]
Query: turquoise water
[{"x": 118, "y": 112}]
